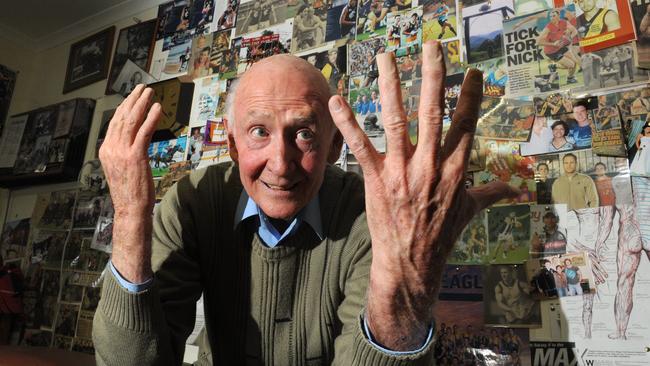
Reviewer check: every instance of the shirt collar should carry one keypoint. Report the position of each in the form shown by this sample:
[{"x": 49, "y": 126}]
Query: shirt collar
[{"x": 310, "y": 214}]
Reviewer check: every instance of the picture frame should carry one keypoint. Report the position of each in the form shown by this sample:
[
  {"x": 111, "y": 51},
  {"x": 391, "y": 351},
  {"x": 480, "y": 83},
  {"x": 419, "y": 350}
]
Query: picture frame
[
  {"x": 134, "y": 43},
  {"x": 89, "y": 60}
]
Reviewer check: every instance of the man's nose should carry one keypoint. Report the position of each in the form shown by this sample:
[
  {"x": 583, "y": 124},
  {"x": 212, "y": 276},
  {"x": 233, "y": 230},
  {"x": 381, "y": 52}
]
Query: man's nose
[{"x": 283, "y": 156}]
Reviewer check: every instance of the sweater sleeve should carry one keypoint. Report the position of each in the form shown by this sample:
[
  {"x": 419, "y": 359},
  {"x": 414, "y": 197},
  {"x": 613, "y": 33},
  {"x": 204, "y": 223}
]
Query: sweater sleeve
[
  {"x": 150, "y": 327},
  {"x": 352, "y": 347}
]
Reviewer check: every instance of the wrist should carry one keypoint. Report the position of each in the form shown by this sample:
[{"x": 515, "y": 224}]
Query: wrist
[{"x": 131, "y": 254}]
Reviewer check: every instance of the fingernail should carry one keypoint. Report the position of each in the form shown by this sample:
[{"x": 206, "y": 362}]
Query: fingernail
[{"x": 335, "y": 104}]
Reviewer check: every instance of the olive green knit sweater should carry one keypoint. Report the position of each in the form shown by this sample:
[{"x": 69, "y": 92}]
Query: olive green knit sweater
[{"x": 297, "y": 304}]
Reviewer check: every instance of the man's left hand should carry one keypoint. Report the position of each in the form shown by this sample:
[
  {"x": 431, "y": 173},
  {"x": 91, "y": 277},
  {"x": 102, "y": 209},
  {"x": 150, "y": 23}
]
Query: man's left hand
[{"x": 416, "y": 201}]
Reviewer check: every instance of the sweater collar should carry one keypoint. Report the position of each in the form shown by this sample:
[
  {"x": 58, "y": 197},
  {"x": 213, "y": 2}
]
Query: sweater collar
[{"x": 247, "y": 208}]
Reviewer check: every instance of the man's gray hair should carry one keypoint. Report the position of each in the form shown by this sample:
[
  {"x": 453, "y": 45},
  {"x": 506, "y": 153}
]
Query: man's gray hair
[{"x": 229, "y": 108}]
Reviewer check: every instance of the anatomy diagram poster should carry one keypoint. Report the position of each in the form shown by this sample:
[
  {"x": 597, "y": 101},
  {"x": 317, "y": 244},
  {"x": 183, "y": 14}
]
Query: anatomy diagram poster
[{"x": 610, "y": 326}]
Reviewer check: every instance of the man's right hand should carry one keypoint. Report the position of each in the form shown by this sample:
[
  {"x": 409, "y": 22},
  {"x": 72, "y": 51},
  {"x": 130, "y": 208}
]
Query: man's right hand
[{"x": 126, "y": 166}]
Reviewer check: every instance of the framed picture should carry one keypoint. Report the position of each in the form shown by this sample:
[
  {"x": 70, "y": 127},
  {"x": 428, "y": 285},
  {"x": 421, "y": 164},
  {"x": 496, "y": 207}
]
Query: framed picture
[
  {"x": 88, "y": 60},
  {"x": 134, "y": 43}
]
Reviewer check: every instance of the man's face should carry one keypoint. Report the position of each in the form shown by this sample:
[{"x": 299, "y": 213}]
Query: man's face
[
  {"x": 586, "y": 5},
  {"x": 549, "y": 221},
  {"x": 332, "y": 55},
  {"x": 580, "y": 113},
  {"x": 548, "y": 265},
  {"x": 543, "y": 171},
  {"x": 505, "y": 274},
  {"x": 569, "y": 163},
  {"x": 600, "y": 170},
  {"x": 558, "y": 131},
  {"x": 282, "y": 136}
]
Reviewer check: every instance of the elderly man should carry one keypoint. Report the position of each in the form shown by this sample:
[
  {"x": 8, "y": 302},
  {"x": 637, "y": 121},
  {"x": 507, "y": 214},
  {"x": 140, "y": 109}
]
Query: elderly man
[{"x": 279, "y": 242}]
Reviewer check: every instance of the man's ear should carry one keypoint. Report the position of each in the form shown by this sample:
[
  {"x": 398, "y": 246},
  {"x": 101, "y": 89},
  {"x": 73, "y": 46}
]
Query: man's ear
[
  {"x": 232, "y": 147},
  {"x": 335, "y": 150}
]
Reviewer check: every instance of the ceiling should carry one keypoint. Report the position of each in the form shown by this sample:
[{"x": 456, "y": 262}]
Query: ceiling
[{"x": 43, "y": 24}]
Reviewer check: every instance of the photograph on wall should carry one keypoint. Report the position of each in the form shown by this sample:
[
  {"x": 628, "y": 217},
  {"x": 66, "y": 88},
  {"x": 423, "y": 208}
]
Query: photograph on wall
[
  {"x": 362, "y": 64},
  {"x": 508, "y": 233},
  {"x": 163, "y": 153},
  {"x": 269, "y": 41},
  {"x": 548, "y": 230},
  {"x": 195, "y": 146},
  {"x": 205, "y": 99},
  {"x": 611, "y": 67},
  {"x": 541, "y": 52},
  {"x": 176, "y": 172},
  {"x": 66, "y": 320},
  {"x": 511, "y": 122},
  {"x": 12, "y": 135},
  {"x": 483, "y": 27},
  {"x": 641, "y": 16},
  {"x": 199, "y": 64},
  {"x": 174, "y": 19},
  {"x": 91, "y": 260},
  {"x": 129, "y": 77},
  {"x": 134, "y": 43},
  {"x": 472, "y": 245},
  {"x": 366, "y": 104},
  {"x": 503, "y": 163},
  {"x": 332, "y": 63},
  {"x": 58, "y": 212},
  {"x": 637, "y": 129},
  {"x": 585, "y": 180},
  {"x": 563, "y": 132},
  {"x": 371, "y": 18},
  {"x": 560, "y": 275},
  {"x": 607, "y": 118},
  {"x": 103, "y": 235},
  {"x": 13, "y": 242},
  {"x": 553, "y": 104},
  {"x": 47, "y": 247},
  {"x": 440, "y": 19},
  {"x": 409, "y": 67},
  {"x": 404, "y": 32},
  {"x": 603, "y": 24},
  {"x": 214, "y": 146},
  {"x": 495, "y": 77},
  {"x": 177, "y": 60},
  {"x": 87, "y": 210},
  {"x": 89, "y": 59},
  {"x": 465, "y": 340},
  {"x": 507, "y": 298},
  {"x": 7, "y": 83},
  {"x": 225, "y": 13},
  {"x": 255, "y": 16},
  {"x": 70, "y": 292},
  {"x": 309, "y": 26},
  {"x": 341, "y": 20},
  {"x": 64, "y": 118}
]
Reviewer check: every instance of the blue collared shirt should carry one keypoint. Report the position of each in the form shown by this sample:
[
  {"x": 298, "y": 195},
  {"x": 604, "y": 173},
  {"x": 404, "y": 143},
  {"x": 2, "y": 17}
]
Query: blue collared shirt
[{"x": 247, "y": 208}]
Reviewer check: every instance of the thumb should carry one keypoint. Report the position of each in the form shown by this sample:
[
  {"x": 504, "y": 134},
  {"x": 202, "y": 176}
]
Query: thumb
[{"x": 490, "y": 193}]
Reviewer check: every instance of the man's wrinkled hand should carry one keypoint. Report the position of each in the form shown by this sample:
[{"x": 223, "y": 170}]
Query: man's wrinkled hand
[{"x": 416, "y": 201}]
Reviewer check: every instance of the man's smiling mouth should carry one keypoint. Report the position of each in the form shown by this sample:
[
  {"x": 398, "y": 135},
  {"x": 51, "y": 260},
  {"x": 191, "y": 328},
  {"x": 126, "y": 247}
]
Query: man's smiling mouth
[{"x": 274, "y": 187}]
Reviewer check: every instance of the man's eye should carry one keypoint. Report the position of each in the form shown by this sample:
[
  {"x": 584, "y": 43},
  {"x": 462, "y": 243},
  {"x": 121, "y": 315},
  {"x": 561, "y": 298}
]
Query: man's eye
[
  {"x": 305, "y": 135},
  {"x": 259, "y": 132}
]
